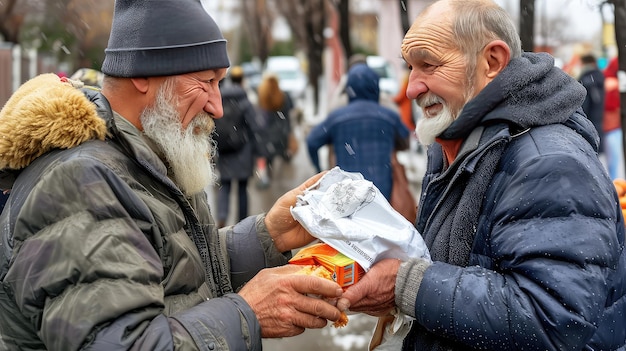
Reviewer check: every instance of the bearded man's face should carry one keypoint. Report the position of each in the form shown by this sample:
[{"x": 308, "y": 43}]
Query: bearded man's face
[{"x": 189, "y": 150}]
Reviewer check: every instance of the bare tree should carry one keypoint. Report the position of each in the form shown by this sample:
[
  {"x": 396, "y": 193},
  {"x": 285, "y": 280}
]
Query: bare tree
[
  {"x": 307, "y": 21},
  {"x": 89, "y": 21},
  {"x": 76, "y": 31},
  {"x": 343, "y": 8},
  {"x": 258, "y": 20},
  {"x": 527, "y": 24},
  {"x": 404, "y": 15},
  {"x": 11, "y": 19},
  {"x": 316, "y": 42}
]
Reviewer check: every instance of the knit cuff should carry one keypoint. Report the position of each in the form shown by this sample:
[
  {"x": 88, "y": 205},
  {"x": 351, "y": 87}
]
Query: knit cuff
[{"x": 408, "y": 282}]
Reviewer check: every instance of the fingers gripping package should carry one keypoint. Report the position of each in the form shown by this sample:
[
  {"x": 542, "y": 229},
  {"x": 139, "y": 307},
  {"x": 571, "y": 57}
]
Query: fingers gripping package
[
  {"x": 357, "y": 227},
  {"x": 321, "y": 260},
  {"x": 323, "y": 272}
]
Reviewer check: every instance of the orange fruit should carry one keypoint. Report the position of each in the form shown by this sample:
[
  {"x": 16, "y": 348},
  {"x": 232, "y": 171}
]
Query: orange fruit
[
  {"x": 619, "y": 189},
  {"x": 620, "y": 186}
]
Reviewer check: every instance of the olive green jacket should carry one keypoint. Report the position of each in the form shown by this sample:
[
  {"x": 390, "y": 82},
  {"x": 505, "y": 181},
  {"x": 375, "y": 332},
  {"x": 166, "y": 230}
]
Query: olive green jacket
[{"x": 100, "y": 250}]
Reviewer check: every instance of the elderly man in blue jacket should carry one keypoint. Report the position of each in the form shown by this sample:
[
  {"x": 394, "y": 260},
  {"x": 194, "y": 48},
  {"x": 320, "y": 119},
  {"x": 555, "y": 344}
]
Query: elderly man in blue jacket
[{"x": 522, "y": 221}]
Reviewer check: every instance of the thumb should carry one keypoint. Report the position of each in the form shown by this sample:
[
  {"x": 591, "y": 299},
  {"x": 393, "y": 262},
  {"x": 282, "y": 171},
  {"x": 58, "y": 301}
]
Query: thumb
[{"x": 352, "y": 294}]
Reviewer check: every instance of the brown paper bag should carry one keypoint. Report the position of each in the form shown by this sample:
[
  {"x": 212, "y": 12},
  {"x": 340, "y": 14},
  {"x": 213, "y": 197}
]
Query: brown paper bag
[{"x": 402, "y": 199}]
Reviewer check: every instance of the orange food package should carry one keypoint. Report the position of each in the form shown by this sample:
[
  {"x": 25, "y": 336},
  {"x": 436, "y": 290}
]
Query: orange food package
[
  {"x": 343, "y": 270},
  {"x": 322, "y": 260}
]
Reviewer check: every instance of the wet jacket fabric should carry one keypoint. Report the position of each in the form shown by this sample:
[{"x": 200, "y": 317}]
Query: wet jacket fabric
[
  {"x": 363, "y": 134},
  {"x": 545, "y": 263},
  {"x": 100, "y": 250}
]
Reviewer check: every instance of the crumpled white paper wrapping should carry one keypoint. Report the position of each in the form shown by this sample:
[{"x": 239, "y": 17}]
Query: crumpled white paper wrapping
[{"x": 350, "y": 214}]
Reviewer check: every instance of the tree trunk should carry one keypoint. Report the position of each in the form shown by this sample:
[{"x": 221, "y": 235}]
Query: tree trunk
[
  {"x": 10, "y": 22},
  {"x": 527, "y": 24},
  {"x": 403, "y": 5},
  {"x": 314, "y": 26},
  {"x": 344, "y": 27},
  {"x": 620, "y": 39}
]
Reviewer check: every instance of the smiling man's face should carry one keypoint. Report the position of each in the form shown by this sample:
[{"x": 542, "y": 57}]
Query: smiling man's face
[{"x": 439, "y": 79}]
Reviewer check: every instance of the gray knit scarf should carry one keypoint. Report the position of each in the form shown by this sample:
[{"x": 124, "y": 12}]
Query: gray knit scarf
[{"x": 451, "y": 232}]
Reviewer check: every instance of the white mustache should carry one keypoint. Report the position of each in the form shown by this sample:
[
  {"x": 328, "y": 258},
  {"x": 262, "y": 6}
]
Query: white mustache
[{"x": 428, "y": 100}]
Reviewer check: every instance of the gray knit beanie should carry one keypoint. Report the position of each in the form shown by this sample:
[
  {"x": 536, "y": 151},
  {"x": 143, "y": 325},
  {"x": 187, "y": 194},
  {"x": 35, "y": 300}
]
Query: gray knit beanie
[{"x": 162, "y": 38}]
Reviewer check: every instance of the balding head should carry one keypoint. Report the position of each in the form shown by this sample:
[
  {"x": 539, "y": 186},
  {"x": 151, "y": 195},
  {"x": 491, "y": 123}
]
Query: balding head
[{"x": 469, "y": 24}]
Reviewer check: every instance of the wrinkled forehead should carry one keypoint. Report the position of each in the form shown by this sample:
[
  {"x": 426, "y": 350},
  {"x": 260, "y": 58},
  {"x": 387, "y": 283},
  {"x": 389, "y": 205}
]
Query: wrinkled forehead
[{"x": 432, "y": 28}]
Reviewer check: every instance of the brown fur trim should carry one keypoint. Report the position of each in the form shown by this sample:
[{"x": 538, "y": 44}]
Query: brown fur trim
[{"x": 45, "y": 114}]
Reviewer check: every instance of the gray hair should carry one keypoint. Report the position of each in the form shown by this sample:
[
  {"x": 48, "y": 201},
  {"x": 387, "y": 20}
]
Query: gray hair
[{"x": 479, "y": 22}]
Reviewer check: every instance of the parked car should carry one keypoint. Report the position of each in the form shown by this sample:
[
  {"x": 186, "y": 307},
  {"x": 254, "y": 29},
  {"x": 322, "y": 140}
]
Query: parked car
[
  {"x": 291, "y": 78},
  {"x": 389, "y": 82}
]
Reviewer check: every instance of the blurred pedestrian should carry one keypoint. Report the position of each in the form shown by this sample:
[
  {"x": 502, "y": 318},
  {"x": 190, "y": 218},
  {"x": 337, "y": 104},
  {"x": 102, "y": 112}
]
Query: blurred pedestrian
[
  {"x": 592, "y": 79},
  {"x": 363, "y": 134},
  {"x": 273, "y": 127},
  {"x": 234, "y": 136},
  {"x": 612, "y": 124},
  {"x": 405, "y": 105},
  {"x": 523, "y": 225},
  {"x": 108, "y": 241},
  {"x": 340, "y": 98}
]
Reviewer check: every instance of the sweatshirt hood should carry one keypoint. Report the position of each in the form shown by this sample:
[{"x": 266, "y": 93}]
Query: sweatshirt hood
[
  {"x": 362, "y": 83},
  {"x": 529, "y": 92},
  {"x": 46, "y": 113}
]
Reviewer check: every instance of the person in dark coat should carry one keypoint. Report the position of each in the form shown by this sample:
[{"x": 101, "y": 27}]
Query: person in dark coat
[
  {"x": 521, "y": 219},
  {"x": 235, "y": 164},
  {"x": 272, "y": 127},
  {"x": 592, "y": 79}
]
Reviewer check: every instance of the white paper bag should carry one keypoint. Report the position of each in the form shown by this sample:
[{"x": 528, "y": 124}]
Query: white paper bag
[{"x": 350, "y": 214}]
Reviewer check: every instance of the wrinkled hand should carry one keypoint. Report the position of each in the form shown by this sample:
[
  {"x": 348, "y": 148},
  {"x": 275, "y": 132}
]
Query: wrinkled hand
[
  {"x": 287, "y": 233},
  {"x": 374, "y": 292},
  {"x": 278, "y": 298}
]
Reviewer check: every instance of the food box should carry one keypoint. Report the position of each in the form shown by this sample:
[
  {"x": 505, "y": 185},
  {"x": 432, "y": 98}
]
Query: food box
[{"x": 344, "y": 270}]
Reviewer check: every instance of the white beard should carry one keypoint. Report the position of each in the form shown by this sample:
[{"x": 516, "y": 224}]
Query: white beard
[
  {"x": 189, "y": 152},
  {"x": 428, "y": 128}
]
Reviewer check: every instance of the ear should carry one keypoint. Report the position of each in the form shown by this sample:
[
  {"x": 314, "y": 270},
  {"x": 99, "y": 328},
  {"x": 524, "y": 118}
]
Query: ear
[
  {"x": 497, "y": 55},
  {"x": 141, "y": 84}
]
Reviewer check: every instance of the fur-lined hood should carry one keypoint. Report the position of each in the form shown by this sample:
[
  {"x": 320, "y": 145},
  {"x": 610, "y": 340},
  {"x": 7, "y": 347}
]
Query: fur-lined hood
[{"x": 46, "y": 113}]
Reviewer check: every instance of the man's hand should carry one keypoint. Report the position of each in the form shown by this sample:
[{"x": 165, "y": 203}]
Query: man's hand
[
  {"x": 374, "y": 292},
  {"x": 287, "y": 233},
  {"x": 278, "y": 298}
]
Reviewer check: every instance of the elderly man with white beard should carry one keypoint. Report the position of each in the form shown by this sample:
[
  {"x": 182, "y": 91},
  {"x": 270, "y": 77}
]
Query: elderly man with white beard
[
  {"x": 523, "y": 224},
  {"x": 107, "y": 239}
]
